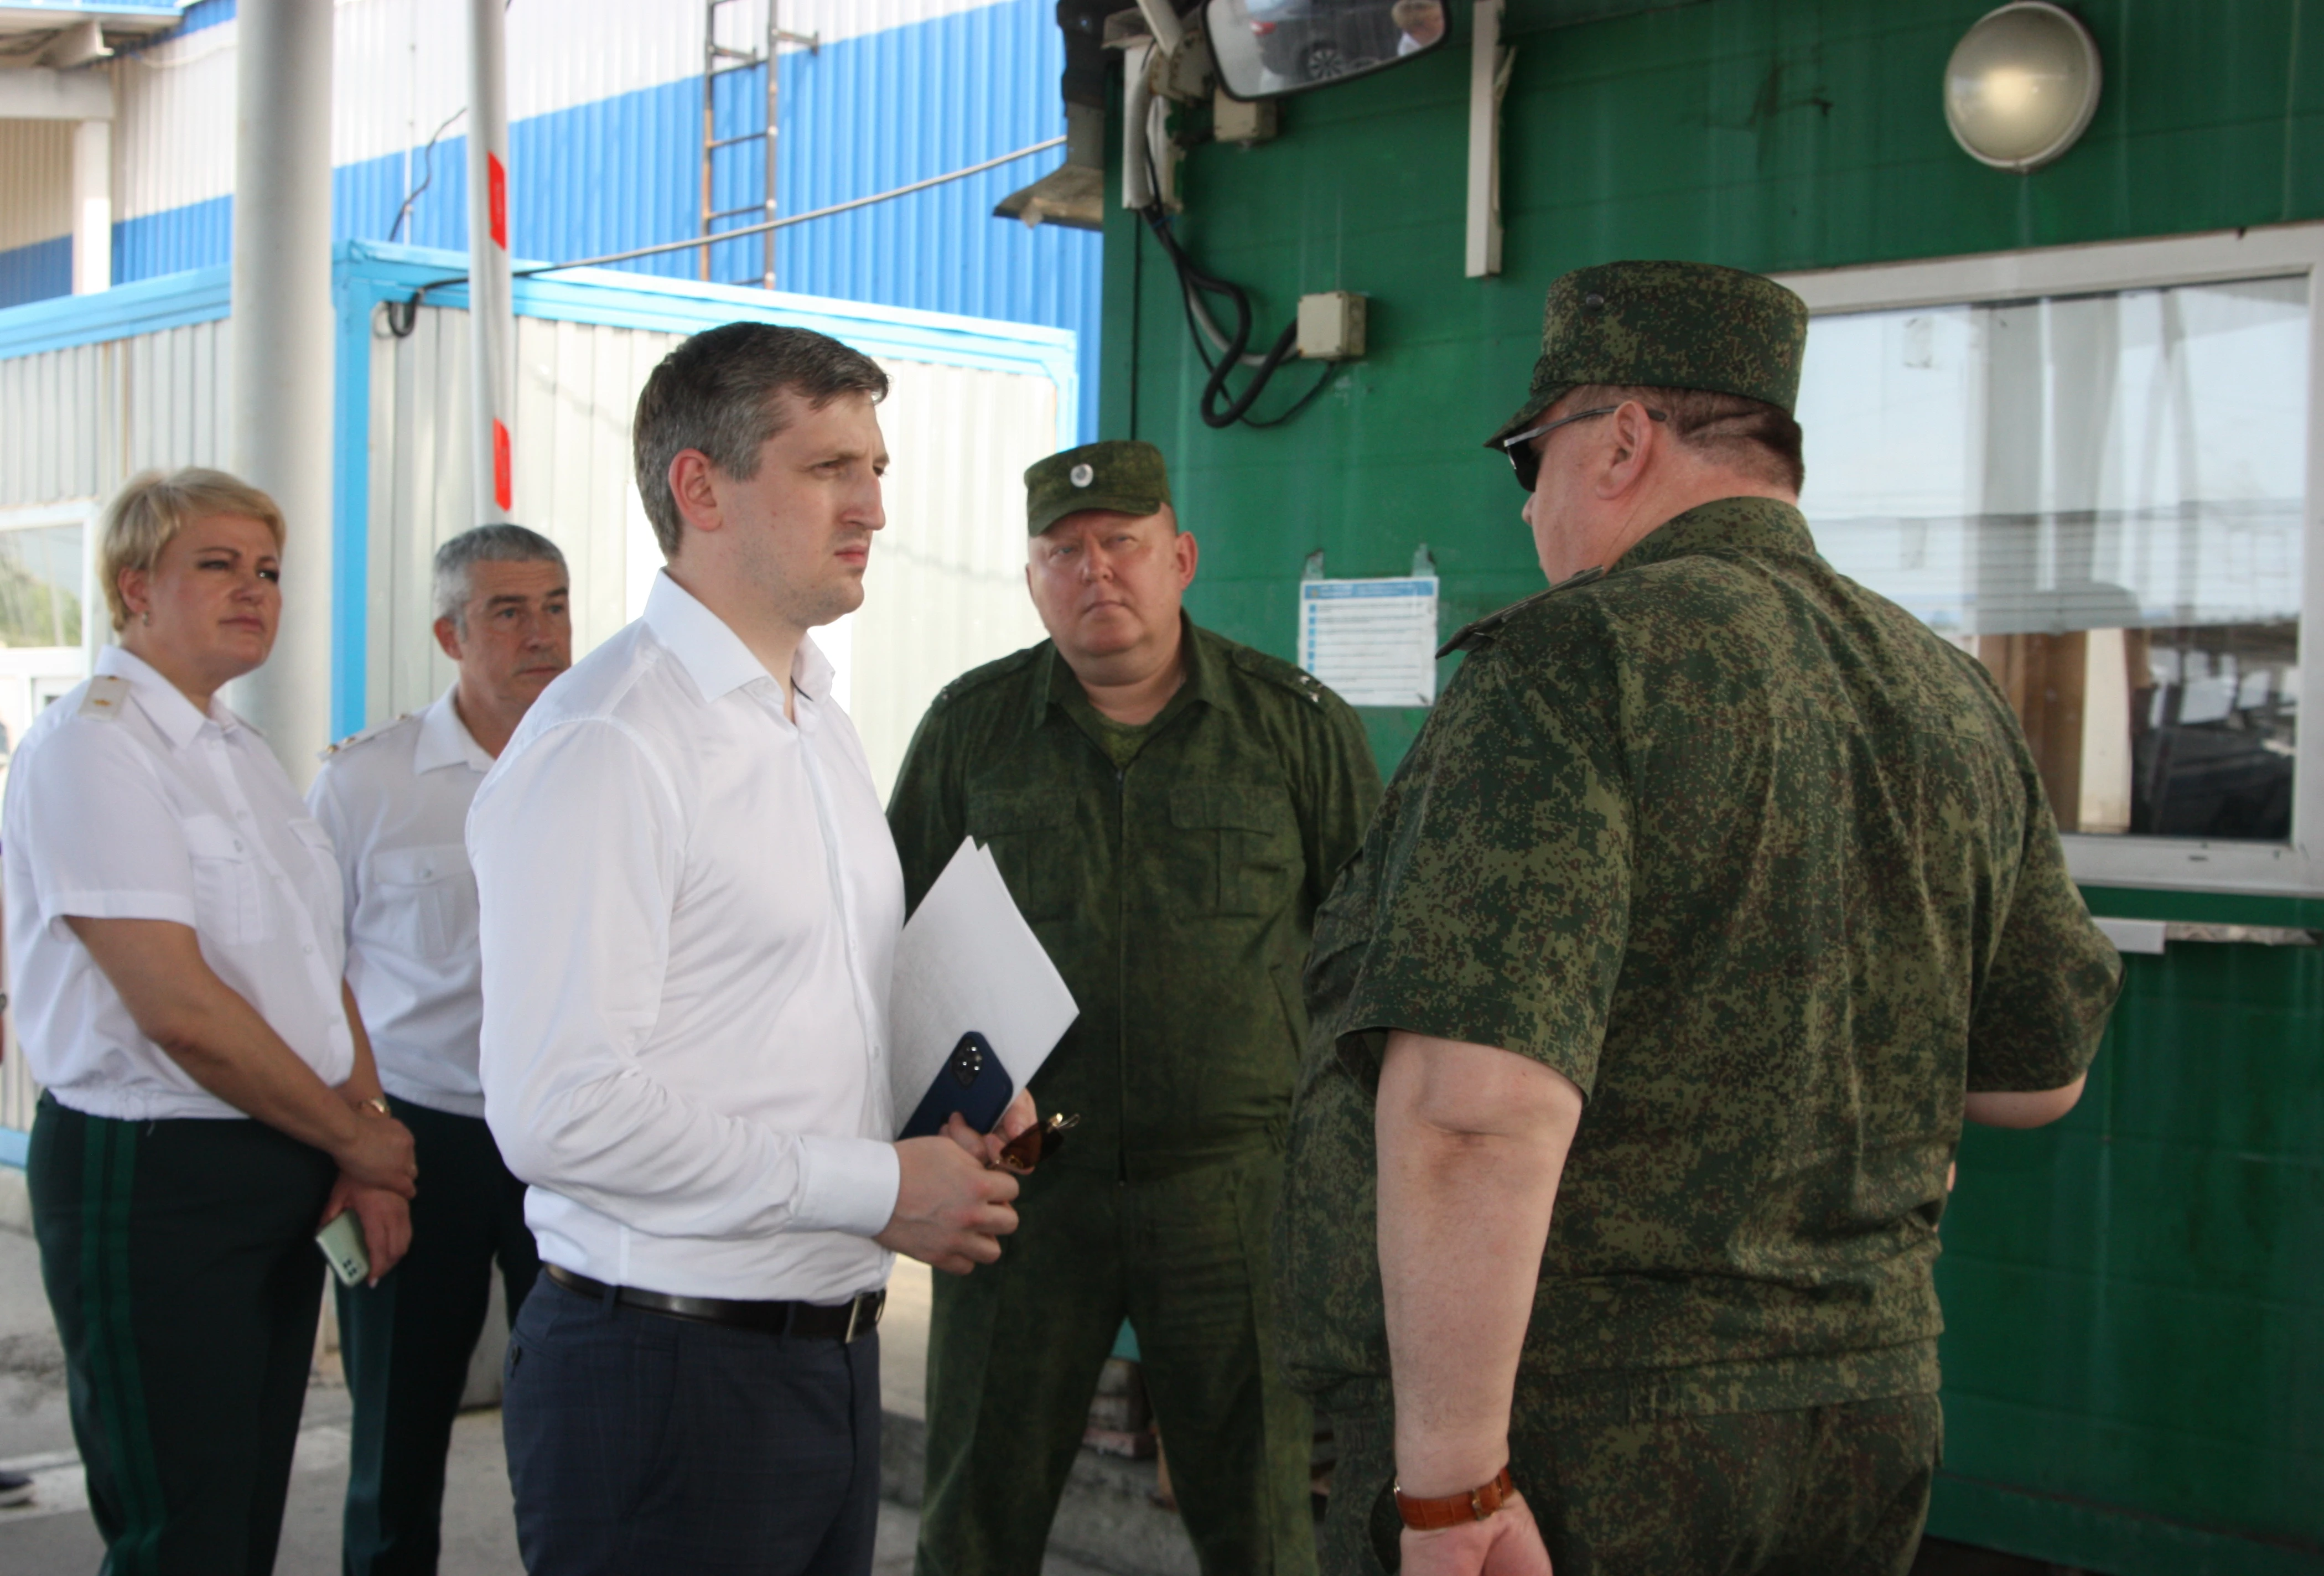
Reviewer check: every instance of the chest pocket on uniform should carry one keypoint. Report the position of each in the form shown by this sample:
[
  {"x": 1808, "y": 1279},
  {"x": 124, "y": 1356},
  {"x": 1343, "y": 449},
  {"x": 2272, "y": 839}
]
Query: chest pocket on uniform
[
  {"x": 1241, "y": 842},
  {"x": 419, "y": 902},
  {"x": 229, "y": 887},
  {"x": 322, "y": 891},
  {"x": 1029, "y": 831}
]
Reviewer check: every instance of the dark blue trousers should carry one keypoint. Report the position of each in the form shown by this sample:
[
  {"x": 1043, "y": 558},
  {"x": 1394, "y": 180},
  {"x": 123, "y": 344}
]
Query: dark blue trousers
[{"x": 641, "y": 1445}]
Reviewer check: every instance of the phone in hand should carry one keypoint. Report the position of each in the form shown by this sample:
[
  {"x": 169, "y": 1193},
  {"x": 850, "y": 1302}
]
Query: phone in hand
[
  {"x": 343, "y": 1249},
  {"x": 974, "y": 1083}
]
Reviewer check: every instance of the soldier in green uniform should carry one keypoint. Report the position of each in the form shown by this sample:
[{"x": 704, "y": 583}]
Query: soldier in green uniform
[
  {"x": 1716, "y": 894},
  {"x": 1168, "y": 808}
]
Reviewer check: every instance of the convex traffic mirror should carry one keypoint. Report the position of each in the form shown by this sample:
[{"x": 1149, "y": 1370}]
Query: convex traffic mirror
[{"x": 1268, "y": 48}]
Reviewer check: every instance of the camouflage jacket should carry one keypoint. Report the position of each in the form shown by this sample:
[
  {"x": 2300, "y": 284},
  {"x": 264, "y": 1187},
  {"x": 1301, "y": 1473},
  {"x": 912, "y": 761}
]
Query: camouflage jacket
[
  {"x": 1764, "y": 867},
  {"x": 1173, "y": 894}
]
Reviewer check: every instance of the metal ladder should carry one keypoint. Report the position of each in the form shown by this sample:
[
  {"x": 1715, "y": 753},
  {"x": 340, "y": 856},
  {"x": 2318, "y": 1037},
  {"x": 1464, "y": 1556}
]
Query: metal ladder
[{"x": 724, "y": 60}]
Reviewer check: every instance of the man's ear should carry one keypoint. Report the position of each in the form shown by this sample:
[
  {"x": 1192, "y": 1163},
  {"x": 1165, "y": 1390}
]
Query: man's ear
[
  {"x": 1189, "y": 554},
  {"x": 131, "y": 584},
  {"x": 690, "y": 486},
  {"x": 1633, "y": 438},
  {"x": 448, "y": 637}
]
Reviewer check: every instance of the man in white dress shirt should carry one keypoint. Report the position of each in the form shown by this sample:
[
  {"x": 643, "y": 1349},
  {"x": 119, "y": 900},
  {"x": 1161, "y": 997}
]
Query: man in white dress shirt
[
  {"x": 395, "y": 800},
  {"x": 690, "y": 913}
]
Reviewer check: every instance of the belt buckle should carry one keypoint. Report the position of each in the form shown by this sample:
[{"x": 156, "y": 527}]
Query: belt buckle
[{"x": 857, "y": 1321}]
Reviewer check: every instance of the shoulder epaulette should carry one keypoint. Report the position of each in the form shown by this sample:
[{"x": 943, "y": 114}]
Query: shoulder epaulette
[
  {"x": 1283, "y": 675},
  {"x": 352, "y": 740},
  {"x": 108, "y": 694},
  {"x": 991, "y": 672},
  {"x": 1480, "y": 633}
]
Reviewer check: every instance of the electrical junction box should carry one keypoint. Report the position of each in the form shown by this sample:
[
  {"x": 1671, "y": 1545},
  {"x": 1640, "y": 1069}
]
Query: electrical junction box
[
  {"x": 1332, "y": 325},
  {"x": 1244, "y": 121}
]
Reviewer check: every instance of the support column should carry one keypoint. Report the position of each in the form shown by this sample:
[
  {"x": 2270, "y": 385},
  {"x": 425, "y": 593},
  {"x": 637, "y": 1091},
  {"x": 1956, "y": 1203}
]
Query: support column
[
  {"x": 281, "y": 350},
  {"x": 92, "y": 207},
  {"x": 492, "y": 310}
]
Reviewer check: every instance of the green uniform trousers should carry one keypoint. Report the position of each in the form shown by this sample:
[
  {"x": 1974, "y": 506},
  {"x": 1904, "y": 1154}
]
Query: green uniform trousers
[
  {"x": 1837, "y": 1490},
  {"x": 180, "y": 1262},
  {"x": 406, "y": 1342},
  {"x": 1014, "y": 1350}
]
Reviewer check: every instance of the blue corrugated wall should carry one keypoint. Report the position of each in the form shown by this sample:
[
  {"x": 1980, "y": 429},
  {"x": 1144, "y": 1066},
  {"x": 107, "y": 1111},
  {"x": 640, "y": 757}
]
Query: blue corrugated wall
[
  {"x": 860, "y": 116},
  {"x": 37, "y": 271}
]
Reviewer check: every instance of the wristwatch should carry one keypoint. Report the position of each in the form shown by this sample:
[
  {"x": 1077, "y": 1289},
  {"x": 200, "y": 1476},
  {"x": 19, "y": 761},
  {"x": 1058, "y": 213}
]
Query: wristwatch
[
  {"x": 377, "y": 1102},
  {"x": 1452, "y": 1509}
]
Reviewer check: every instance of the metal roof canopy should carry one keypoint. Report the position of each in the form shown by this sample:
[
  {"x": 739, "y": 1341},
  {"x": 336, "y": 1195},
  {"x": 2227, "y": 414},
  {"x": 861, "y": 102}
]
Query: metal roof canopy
[{"x": 71, "y": 32}]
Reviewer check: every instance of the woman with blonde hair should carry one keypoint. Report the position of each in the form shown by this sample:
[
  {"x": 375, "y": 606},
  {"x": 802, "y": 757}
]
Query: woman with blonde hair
[{"x": 174, "y": 935}]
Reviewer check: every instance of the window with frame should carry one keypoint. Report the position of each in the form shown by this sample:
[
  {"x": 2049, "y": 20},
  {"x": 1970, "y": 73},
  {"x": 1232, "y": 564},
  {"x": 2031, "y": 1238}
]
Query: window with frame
[
  {"x": 2102, "y": 495},
  {"x": 41, "y": 574}
]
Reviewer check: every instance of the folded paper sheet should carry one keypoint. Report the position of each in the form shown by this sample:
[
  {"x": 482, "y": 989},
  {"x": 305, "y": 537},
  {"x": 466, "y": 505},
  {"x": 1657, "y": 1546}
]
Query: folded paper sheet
[{"x": 968, "y": 961}]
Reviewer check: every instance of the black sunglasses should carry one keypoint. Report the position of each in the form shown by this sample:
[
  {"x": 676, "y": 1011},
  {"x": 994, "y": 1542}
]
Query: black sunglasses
[{"x": 1525, "y": 460}]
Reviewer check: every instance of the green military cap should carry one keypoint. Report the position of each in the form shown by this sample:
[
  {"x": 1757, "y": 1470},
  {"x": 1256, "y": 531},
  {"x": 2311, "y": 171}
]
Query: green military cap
[
  {"x": 1119, "y": 474},
  {"x": 1666, "y": 326}
]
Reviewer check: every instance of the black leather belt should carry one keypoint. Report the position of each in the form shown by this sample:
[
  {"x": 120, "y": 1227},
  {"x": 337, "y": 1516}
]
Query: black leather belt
[{"x": 846, "y": 1323}]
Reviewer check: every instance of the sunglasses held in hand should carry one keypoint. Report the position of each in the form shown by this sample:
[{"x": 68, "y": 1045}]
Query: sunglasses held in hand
[{"x": 1036, "y": 1144}]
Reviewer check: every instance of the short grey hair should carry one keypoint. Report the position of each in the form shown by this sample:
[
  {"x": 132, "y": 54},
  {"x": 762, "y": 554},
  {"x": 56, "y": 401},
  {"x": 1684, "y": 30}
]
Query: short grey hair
[
  {"x": 720, "y": 392},
  {"x": 487, "y": 544}
]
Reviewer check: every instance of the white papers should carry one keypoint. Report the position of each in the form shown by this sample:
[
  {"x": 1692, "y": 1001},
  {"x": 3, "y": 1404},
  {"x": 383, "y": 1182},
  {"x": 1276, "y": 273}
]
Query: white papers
[
  {"x": 968, "y": 961},
  {"x": 1372, "y": 641}
]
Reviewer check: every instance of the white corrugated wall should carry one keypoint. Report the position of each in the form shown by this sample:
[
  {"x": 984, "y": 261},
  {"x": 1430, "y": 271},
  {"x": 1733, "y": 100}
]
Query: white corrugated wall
[
  {"x": 35, "y": 181},
  {"x": 577, "y": 386},
  {"x": 173, "y": 123},
  {"x": 945, "y": 589},
  {"x": 81, "y": 421}
]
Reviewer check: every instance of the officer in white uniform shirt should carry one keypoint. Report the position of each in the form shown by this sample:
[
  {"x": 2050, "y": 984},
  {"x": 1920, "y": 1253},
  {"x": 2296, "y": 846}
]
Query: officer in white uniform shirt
[
  {"x": 395, "y": 800},
  {"x": 690, "y": 912},
  {"x": 174, "y": 944}
]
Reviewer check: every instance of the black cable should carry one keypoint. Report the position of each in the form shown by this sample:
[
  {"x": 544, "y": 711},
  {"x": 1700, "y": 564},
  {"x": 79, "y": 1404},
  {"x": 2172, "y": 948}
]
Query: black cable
[
  {"x": 1299, "y": 404},
  {"x": 1193, "y": 281},
  {"x": 428, "y": 154}
]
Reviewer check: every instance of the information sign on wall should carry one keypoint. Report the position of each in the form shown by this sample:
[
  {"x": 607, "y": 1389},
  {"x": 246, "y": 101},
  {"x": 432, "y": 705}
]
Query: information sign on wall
[{"x": 1372, "y": 641}]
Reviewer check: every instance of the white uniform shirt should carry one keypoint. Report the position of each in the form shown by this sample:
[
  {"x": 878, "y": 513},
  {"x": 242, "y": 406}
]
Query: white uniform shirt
[
  {"x": 125, "y": 802},
  {"x": 690, "y": 913},
  {"x": 395, "y": 801}
]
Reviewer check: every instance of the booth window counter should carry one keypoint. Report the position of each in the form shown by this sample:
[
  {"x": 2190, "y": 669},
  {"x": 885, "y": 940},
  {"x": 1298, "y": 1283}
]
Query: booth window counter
[{"x": 2093, "y": 467}]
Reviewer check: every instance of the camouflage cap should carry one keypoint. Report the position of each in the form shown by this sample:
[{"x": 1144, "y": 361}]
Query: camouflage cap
[
  {"x": 1119, "y": 474},
  {"x": 1666, "y": 326}
]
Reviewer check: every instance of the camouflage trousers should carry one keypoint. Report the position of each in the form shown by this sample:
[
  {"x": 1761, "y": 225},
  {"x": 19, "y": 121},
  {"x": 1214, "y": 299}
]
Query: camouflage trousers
[
  {"x": 1839, "y": 1490},
  {"x": 1014, "y": 1350}
]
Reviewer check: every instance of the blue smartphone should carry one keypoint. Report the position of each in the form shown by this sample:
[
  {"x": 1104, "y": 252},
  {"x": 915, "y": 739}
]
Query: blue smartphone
[{"x": 973, "y": 1083}]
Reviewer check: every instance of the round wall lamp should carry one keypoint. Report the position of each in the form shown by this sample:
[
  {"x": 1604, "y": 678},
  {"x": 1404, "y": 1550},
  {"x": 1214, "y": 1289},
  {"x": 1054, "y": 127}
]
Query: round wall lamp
[{"x": 2022, "y": 86}]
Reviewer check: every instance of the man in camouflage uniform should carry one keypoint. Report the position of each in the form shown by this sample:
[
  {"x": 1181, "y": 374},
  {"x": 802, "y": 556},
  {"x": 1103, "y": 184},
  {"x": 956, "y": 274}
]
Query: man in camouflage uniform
[
  {"x": 1714, "y": 896},
  {"x": 1168, "y": 808}
]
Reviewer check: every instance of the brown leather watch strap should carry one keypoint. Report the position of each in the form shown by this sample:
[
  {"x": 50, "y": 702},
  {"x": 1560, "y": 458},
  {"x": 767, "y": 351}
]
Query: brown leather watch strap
[{"x": 1452, "y": 1509}]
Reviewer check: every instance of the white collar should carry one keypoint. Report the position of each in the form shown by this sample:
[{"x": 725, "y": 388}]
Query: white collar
[
  {"x": 164, "y": 702},
  {"x": 445, "y": 739},
  {"x": 714, "y": 654}
]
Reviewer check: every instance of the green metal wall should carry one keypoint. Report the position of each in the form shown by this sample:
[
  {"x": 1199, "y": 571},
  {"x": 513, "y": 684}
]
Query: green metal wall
[{"x": 2136, "y": 1296}]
